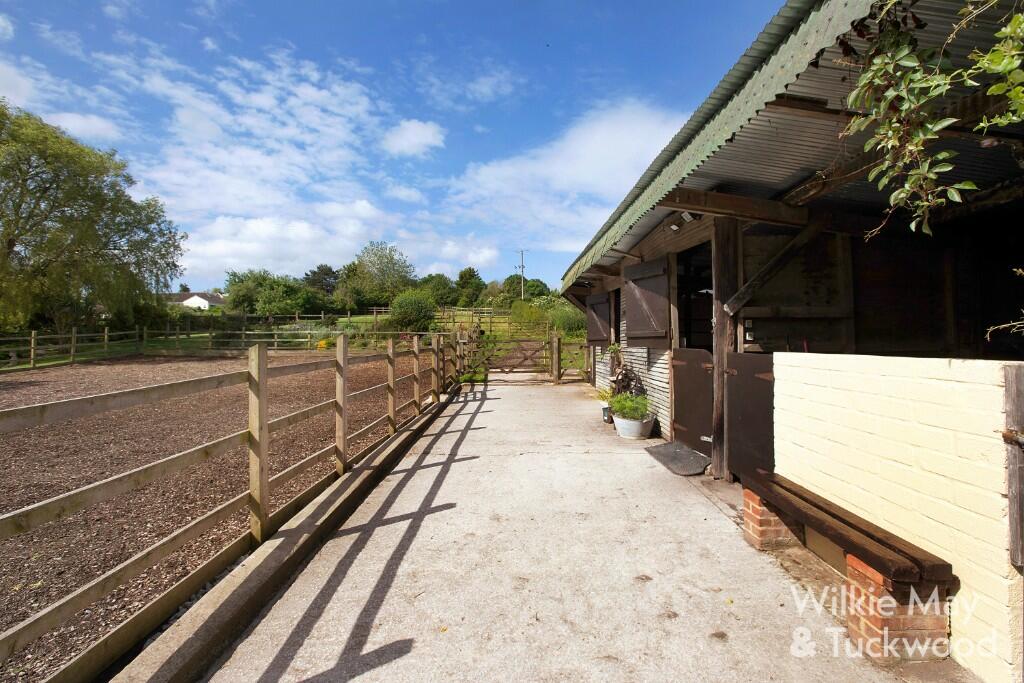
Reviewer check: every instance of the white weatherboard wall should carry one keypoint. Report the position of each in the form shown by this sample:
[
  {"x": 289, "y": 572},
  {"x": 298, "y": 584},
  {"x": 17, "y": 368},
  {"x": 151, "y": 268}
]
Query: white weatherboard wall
[
  {"x": 650, "y": 365},
  {"x": 914, "y": 445}
]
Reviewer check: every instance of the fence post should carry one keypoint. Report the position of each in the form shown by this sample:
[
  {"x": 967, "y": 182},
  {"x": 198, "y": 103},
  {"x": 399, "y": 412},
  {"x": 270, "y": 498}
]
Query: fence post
[
  {"x": 556, "y": 359},
  {"x": 416, "y": 374},
  {"x": 259, "y": 440},
  {"x": 435, "y": 375},
  {"x": 392, "y": 422},
  {"x": 177, "y": 336},
  {"x": 106, "y": 339},
  {"x": 32, "y": 351},
  {"x": 309, "y": 340},
  {"x": 74, "y": 342},
  {"x": 145, "y": 338},
  {"x": 275, "y": 339},
  {"x": 138, "y": 339},
  {"x": 340, "y": 409}
]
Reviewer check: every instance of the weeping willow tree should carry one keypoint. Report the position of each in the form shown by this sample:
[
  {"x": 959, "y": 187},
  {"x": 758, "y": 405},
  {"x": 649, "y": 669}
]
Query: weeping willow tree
[{"x": 73, "y": 242}]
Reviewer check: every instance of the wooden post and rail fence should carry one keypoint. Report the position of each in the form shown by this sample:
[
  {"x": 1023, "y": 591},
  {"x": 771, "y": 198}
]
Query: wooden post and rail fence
[{"x": 264, "y": 521}]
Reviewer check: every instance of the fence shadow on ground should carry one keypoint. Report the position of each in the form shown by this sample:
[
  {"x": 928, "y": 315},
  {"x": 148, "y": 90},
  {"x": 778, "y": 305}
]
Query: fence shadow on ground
[{"x": 352, "y": 661}]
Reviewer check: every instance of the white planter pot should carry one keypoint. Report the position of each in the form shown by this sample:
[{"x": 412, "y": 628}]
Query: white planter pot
[{"x": 633, "y": 429}]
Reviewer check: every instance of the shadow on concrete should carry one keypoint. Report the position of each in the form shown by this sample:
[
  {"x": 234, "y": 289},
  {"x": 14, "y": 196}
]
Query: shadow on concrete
[{"x": 352, "y": 661}]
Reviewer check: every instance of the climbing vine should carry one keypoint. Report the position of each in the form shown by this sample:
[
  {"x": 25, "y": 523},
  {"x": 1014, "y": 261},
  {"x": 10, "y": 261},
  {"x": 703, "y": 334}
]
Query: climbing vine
[{"x": 899, "y": 92}]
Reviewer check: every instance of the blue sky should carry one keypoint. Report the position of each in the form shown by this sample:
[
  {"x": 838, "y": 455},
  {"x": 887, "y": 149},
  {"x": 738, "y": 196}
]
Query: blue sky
[{"x": 283, "y": 135}]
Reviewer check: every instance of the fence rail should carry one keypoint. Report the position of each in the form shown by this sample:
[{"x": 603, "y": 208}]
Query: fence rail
[{"x": 440, "y": 354}]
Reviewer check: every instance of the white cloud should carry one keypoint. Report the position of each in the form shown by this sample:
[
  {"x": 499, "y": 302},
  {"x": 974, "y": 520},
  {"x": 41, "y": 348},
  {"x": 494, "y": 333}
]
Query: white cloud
[
  {"x": 438, "y": 267},
  {"x": 460, "y": 91},
  {"x": 481, "y": 129},
  {"x": 87, "y": 126},
  {"x": 6, "y": 28},
  {"x": 15, "y": 86},
  {"x": 209, "y": 44},
  {"x": 406, "y": 194},
  {"x": 278, "y": 243},
  {"x": 118, "y": 10},
  {"x": 67, "y": 42},
  {"x": 556, "y": 195},
  {"x": 412, "y": 137},
  {"x": 209, "y": 9}
]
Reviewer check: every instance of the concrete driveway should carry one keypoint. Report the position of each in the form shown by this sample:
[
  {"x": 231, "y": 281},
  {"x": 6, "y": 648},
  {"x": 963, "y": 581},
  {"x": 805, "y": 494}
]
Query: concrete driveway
[{"x": 521, "y": 538}]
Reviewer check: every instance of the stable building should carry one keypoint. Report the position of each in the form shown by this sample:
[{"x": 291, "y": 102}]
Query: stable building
[{"x": 849, "y": 384}]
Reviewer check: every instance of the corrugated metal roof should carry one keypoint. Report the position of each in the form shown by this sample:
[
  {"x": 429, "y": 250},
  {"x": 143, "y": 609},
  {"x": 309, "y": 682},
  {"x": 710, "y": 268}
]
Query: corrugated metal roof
[{"x": 791, "y": 41}]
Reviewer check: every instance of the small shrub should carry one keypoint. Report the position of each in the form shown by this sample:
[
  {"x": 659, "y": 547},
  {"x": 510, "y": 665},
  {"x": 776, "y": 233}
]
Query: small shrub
[
  {"x": 478, "y": 375},
  {"x": 524, "y": 312},
  {"x": 604, "y": 395},
  {"x": 412, "y": 311},
  {"x": 630, "y": 406}
]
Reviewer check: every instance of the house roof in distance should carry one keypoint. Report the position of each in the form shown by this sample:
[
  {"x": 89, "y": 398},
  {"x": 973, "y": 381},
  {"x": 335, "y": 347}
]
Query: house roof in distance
[{"x": 182, "y": 297}]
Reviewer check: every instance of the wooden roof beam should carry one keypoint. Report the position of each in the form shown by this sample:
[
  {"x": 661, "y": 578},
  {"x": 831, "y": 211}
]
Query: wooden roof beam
[{"x": 735, "y": 206}]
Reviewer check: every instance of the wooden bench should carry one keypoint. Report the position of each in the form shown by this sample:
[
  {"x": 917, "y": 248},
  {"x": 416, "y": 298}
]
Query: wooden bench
[{"x": 878, "y": 564}]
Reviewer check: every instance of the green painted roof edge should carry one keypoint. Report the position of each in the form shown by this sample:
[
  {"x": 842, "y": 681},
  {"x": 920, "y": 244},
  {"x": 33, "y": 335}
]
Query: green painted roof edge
[{"x": 779, "y": 54}]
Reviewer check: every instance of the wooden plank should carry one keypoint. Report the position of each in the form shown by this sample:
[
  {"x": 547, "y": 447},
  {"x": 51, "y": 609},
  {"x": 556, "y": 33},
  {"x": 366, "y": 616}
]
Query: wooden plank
[
  {"x": 341, "y": 400},
  {"x": 301, "y": 466},
  {"x": 23, "y": 633},
  {"x": 24, "y": 417},
  {"x": 930, "y": 566},
  {"x": 734, "y": 206},
  {"x": 1014, "y": 403},
  {"x": 367, "y": 390},
  {"x": 725, "y": 234},
  {"x": 407, "y": 404},
  {"x": 435, "y": 370},
  {"x": 775, "y": 264},
  {"x": 59, "y": 507},
  {"x": 355, "y": 435},
  {"x": 889, "y": 563},
  {"x": 392, "y": 398},
  {"x": 298, "y": 416},
  {"x": 416, "y": 372},
  {"x": 259, "y": 444},
  {"x": 108, "y": 649},
  {"x": 299, "y": 368}
]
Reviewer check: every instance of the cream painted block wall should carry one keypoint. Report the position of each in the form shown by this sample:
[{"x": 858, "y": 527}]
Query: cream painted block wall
[{"x": 914, "y": 445}]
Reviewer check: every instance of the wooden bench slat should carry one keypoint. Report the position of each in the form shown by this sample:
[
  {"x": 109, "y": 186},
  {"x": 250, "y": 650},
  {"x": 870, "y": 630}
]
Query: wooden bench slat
[
  {"x": 886, "y": 561},
  {"x": 932, "y": 567}
]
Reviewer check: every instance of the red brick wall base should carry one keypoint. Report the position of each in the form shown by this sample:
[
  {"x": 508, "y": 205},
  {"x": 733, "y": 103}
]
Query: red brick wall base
[
  {"x": 763, "y": 527},
  {"x": 895, "y": 621}
]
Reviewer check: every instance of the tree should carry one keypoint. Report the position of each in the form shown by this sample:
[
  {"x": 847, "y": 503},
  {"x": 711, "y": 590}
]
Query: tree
[
  {"x": 349, "y": 291},
  {"x": 469, "y": 286},
  {"x": 441, "y": 289},
  {"x": 263, "y": 293},
  {"x": 73, "y": 239},
  {"x": 412, "y": 311},
  {"x": 323, "y": 278},
  {"x": 387, "y": 272},
  {"x": 512, "y": 286},
  {"x": 183, "y": 288},
  {"x": 536, "y": 287}
]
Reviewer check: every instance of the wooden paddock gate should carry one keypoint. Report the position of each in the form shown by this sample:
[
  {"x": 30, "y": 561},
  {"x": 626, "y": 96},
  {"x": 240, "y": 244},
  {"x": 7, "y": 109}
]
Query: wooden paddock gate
[{"x": 439, "y": 358}]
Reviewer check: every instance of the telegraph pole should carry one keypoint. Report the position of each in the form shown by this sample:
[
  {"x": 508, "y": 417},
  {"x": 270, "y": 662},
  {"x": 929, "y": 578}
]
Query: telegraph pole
[{"x": 522, "y": 275}]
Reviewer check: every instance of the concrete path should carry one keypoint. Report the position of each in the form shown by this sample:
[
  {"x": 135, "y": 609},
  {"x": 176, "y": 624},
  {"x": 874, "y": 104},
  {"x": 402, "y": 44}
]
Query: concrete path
[{"x": 522, "y": 539}]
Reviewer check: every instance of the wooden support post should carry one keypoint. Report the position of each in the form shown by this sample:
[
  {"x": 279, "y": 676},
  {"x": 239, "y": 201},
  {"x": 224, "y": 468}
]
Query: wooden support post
[
  {"x": 375, "y": 320},
  {"x": 556, "y": 358},
  {"x": 392, "y": 398},
  {"x": 417, "y": 406},
  {"x": 340, "y": 408},
  {"x": 145, "y": 337},
  {"x": 74, "y": 342},
  {"x": 259, "y": 442},
  {"x": 138, "y": 339},
  {"x": 177, "y": 336},
  {"x": 188, "y": 327},
  {"x": 322, "y": 317},
  {"x": 32, "y": 351},
  {"x": 725, "y": 234},
  {"x": 275, "y": 338},
  {"x": 309, "y": 340},
  {"x": 106, "y": 339},
  {"x": 435, "y": 375}
]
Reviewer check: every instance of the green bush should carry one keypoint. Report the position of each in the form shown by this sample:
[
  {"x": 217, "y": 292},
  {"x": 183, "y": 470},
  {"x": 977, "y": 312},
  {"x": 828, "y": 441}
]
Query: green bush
[
  {"x": 412, "y": 311},
  {"x": 630, "y": 406},
  {"x": 568, "y": 320},
  {"x": 524, "y": 312}
]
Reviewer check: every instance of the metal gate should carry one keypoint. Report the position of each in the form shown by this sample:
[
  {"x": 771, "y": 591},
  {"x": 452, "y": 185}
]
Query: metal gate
[
  {"x": 749, "y": 417},
  {"x": 692, "y": 398}
]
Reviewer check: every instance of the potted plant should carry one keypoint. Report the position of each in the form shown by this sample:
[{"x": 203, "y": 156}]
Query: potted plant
[
  {"x": 632, "y": 416},
  {"x": 605, "y": 397},
  {"x": 614, "y": 353}
]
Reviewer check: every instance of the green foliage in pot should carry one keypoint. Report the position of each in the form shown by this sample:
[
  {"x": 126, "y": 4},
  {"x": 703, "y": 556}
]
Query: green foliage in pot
[
  {"x": 604, "y": 395},
  {"x": 630, "y": 406}
]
